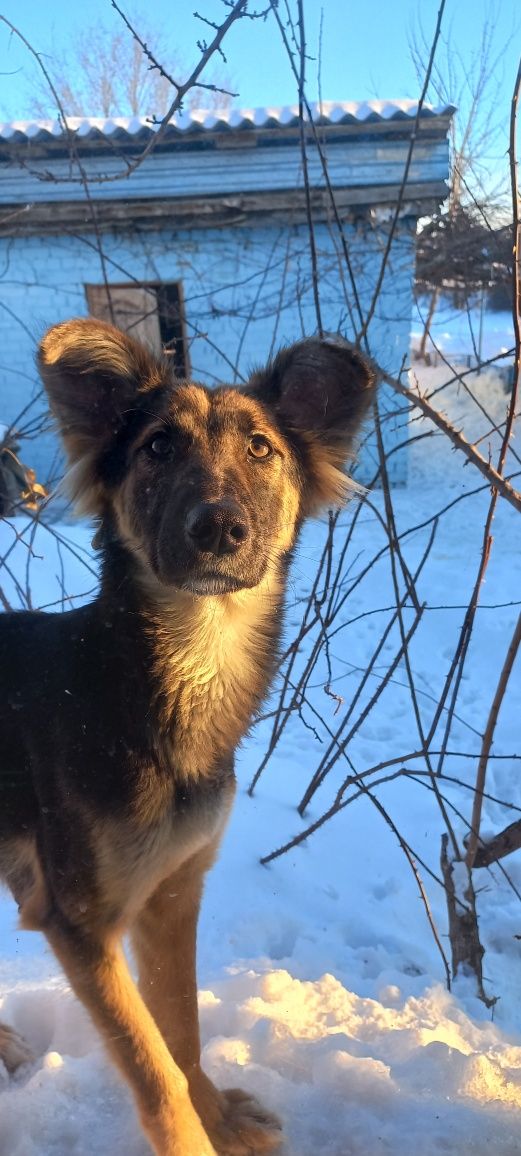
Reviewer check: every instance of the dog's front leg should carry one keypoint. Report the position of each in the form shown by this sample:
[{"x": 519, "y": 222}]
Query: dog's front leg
[
  {"x": 99, "y": 975},
  {"x": 164, "y": 942}
]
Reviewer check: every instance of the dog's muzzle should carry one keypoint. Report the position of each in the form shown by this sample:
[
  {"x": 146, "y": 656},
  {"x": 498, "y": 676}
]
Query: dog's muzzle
[{"x": 216, "y": 528}]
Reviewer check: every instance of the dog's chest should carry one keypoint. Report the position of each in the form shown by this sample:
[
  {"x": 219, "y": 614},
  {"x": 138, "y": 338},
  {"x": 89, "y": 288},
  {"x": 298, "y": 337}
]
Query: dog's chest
[{"x": 211, "y": 684}]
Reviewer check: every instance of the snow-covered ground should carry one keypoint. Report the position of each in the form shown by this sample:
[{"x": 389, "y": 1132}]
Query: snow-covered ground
[
  {"x": 456, "y": 331},
  {"x": 321, "y": 988}
]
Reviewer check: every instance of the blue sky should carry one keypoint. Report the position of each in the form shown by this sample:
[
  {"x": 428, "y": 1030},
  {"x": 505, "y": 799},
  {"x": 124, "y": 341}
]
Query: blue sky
[{"x": 365, "y": 50}]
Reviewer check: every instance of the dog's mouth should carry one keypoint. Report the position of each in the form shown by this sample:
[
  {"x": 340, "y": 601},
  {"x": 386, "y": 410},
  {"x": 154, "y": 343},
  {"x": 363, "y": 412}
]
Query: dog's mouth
[
  {"x": 211, "y": 584},
  {"x": 205, "y": 574}
]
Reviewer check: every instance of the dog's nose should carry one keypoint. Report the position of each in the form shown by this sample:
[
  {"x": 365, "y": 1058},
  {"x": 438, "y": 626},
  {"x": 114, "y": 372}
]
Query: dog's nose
[{"x": 217, "y": 527}]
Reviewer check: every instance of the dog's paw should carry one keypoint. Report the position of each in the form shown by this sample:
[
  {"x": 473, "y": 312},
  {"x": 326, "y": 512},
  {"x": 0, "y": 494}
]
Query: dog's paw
[
  {"x": 13, "y": 1049},
  {"x": 246, "y": 1128},
  {"x": 234, "y": 1120}
]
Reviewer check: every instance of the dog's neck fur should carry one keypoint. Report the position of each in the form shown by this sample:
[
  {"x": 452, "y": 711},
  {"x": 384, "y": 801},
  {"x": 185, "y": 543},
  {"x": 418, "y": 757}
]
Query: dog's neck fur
[{"x": 211, "y": 659}]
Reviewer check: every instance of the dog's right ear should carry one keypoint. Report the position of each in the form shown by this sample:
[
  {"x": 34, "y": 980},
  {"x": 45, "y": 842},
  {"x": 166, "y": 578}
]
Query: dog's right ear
[{"x": 93, "y": 374}]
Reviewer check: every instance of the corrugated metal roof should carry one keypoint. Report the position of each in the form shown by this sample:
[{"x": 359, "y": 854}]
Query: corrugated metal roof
[{"x": 133, "y": 129}]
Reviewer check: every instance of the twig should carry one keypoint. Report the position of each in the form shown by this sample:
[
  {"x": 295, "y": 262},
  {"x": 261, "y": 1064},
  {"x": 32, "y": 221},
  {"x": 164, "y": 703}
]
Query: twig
[
  {"x": 237, "y": 10},
  {"x": 488, "y": 737},
  {"x": 504, "y": 843},
  {"x": 303, "y": 153},
  {"x": 516, "y": 233},
  {"x": 408, "y": 162},
  {"x": 495, "y": 479}
]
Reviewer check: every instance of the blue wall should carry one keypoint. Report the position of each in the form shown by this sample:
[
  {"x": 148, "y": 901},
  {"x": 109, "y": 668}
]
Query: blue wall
[{"x": 247, "y": 290}]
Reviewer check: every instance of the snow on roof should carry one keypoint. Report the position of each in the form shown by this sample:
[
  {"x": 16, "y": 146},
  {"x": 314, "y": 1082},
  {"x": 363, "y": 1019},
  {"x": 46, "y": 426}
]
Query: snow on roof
[{"x": 332, "y": 113}]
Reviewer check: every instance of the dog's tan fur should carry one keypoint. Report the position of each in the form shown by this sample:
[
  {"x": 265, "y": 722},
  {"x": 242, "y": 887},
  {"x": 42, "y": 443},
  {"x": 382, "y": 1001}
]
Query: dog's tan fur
[{"x": 120, "y": 793}]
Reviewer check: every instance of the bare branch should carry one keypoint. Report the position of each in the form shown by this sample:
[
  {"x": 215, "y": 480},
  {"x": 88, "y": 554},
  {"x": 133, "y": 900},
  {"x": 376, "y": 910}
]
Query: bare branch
[
  {"x": 401, "y": 195},
  {"x": 488, "y": 738},
  {"x": 495, "y": 479},
  {"x": 504, "y": 843}
]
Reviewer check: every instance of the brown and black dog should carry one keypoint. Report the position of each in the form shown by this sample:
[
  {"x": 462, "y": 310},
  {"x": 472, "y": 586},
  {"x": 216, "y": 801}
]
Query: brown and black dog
[{"x": 119, "y": 720}]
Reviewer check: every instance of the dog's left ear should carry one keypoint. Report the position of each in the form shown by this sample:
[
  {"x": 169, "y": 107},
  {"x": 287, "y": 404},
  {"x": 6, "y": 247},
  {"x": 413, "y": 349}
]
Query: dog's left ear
[{"x": 320, "y": 391}]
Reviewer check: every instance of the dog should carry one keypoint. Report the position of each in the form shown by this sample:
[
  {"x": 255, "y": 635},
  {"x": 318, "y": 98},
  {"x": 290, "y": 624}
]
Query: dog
[{"x": 119, "y": 720}]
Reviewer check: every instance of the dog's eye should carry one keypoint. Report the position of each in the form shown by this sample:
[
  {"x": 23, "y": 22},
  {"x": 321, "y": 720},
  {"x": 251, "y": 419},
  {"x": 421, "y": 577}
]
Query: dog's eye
[
  {"x": 258, "y": 447},
  {"x": 160, "y": 445}
]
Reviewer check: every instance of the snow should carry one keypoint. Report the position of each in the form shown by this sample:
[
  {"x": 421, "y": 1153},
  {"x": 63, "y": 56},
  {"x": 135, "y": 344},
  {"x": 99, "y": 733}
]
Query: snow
[
  {"x": 456, "y": 332},
  {"x": 321, "y": 988}
]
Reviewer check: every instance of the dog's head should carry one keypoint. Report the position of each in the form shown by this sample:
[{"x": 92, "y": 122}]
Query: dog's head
[{"x": 207, "y": 488}]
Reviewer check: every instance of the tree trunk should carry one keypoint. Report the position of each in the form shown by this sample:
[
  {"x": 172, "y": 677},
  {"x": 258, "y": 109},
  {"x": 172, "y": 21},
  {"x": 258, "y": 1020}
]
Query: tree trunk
[
  {"x": 422, "y": 352},
  {"x": 467, "y": 951}
]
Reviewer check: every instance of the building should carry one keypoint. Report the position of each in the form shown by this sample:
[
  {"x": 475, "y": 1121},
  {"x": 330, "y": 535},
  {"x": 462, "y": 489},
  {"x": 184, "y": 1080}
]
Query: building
[{"x": 198, "y": 239}]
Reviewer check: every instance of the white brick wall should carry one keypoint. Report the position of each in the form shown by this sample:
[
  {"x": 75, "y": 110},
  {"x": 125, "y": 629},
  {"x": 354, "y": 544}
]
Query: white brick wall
[{"x": 246, "y": 291}]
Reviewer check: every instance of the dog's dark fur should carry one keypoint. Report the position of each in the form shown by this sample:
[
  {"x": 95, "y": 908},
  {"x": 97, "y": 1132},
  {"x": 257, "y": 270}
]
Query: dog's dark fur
[{"x": 119, "y": 721}]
